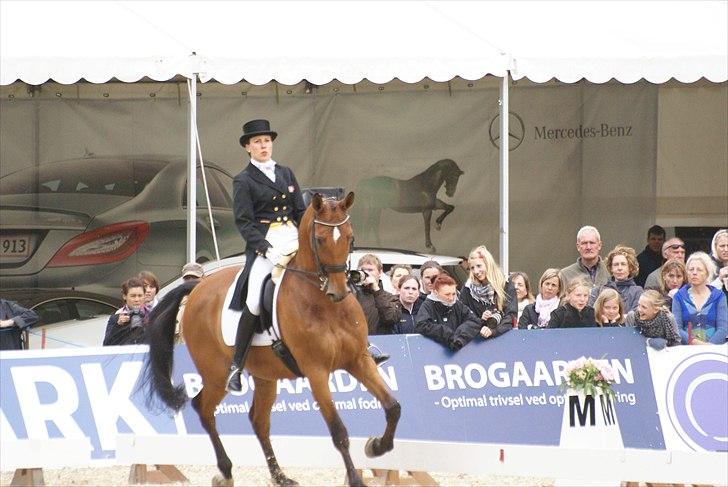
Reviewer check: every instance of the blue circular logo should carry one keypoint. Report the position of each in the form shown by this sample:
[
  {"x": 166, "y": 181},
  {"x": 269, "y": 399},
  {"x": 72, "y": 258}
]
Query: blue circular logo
[{"x": 696, "y": 405}]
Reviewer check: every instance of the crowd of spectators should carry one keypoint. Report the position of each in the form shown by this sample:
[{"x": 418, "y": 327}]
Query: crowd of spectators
[{"x": 668, "y": 300}]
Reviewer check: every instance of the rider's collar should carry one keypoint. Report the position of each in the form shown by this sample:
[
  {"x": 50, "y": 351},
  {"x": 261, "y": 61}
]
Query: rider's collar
[{"x": 264, "y": 166}]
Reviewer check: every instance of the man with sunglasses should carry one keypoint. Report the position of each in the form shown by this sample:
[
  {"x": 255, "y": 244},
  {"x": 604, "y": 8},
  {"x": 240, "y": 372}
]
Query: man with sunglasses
[{"x": 674, "y": 248}]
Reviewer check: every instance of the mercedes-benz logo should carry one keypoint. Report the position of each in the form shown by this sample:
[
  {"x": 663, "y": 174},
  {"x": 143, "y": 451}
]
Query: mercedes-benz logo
[{"x": 516, "y": 131}]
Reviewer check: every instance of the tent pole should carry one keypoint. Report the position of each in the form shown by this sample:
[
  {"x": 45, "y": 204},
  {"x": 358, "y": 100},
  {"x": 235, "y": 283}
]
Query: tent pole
[
  {"x": 191, "y": 170},
  {"x": 504, "y": 145}
]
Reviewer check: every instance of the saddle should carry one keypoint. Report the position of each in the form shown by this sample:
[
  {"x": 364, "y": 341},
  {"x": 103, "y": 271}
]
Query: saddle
[{"x": 265, "y": 324}]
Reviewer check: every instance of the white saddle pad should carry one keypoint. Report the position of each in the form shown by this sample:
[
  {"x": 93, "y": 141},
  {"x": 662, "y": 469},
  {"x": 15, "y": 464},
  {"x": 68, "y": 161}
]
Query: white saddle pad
[{"x": 230, "y": 318}]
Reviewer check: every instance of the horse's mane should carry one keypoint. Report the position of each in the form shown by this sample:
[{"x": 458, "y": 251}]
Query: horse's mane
[{"x": 446, "y": 165}]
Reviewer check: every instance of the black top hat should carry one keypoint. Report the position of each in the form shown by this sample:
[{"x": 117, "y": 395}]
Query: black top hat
[{"x": 256, "y": 127}]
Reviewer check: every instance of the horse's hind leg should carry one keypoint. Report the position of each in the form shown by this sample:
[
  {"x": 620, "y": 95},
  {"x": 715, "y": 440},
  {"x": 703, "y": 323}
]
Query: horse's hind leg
[
  {"x": 368, "y": 375},
  {"x": 320, "y": 388},
  {"x": 263, "y": 398},
  {"x": 205, "y": 403},
  {"x": 427, "y": 216}
]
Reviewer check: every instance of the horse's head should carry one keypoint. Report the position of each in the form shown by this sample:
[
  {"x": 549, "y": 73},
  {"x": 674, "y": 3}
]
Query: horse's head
[
  {"x": 325, "y": 238},
  {"x": 452, "y": 173}
]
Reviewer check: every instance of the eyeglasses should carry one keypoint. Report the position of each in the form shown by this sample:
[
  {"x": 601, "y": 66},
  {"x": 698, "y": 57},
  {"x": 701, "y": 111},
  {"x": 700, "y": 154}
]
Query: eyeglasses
[
  {"x": 430, "y": 278},
  {"x": 676, "y": 246}
]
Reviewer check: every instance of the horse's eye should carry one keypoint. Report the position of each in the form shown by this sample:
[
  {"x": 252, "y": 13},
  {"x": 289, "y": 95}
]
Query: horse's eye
[{"x": 320, "y": 240}]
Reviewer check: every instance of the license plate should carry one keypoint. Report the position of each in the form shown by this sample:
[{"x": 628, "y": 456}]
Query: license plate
[{"x": 15, "y": 246}]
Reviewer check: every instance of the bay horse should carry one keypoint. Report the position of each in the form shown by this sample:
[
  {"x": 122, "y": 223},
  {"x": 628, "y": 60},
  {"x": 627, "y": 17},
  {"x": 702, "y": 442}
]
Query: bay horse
[
  {"x": 415, "y": 195},
  {"x": 320, "y": 321}
]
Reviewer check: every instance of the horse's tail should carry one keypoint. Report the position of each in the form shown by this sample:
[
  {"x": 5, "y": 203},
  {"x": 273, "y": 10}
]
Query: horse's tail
[{"x": 157, "y": 374}]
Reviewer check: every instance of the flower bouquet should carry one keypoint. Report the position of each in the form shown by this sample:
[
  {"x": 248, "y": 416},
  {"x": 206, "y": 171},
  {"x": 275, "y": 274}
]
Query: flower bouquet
[{"x": 590, "y": 377}]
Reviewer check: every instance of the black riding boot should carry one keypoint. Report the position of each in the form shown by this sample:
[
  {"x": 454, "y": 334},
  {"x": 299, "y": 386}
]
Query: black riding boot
[
  {"x": 378, "y": 356},
  {"x": 243, "y": 337}
]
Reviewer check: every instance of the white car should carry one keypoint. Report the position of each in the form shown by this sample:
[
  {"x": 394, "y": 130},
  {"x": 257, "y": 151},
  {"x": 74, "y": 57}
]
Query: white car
[{"x": 90, "y": 332}]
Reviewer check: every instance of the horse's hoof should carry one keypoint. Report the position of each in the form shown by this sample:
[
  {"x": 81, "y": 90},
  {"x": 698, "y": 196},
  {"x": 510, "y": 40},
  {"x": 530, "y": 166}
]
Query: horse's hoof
[
  {"x": 220, "y": 481},
  {"x": 284, "y": 481},
  {"x": 371, "y": 447},
  {"x": 357, "y": 482},
  {"x": 438, "y": 226}
]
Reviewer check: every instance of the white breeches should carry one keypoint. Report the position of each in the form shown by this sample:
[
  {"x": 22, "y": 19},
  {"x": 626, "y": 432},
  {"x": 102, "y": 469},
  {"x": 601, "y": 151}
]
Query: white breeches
[{"x": 285, "y": 239}]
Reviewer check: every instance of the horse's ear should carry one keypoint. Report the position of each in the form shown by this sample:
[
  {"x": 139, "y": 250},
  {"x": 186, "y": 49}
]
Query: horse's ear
[
  {"x": 349, "y": 200},
  {"x": 317, "y": 202}
]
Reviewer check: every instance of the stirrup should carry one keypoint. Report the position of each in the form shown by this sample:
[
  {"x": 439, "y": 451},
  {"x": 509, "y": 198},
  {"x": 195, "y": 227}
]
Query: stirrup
[{"x": 233, "y": 381}]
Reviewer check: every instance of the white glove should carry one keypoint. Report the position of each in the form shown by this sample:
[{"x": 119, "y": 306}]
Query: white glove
[{"x": 273, "y": 254}]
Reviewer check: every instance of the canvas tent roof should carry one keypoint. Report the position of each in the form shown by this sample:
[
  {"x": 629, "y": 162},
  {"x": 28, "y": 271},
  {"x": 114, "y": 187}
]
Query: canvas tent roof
[{"x": 351, "y": 41}]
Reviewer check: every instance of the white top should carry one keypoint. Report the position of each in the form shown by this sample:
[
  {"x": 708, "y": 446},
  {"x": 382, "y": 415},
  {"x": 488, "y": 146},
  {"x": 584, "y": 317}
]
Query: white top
[{"x": 268, "y": 168}]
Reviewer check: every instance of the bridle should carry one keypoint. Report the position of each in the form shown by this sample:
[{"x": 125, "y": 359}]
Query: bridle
[{"x": 323, "y": 270}]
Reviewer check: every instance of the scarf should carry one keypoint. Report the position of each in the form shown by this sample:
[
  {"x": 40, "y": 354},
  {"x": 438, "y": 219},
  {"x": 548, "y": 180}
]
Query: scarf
[
  {"x": 483, "y": 293},
  {"x": 438, "y": 300},
  {"x": 544, "y": 307},
  {"x": 657, "y": 327}
]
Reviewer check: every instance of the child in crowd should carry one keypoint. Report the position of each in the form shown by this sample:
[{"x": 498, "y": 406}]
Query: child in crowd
[
  {"x": 609, "y": 309},
  {"x": 654, "y": 321},
  {"x": 151, "y": 287},
  {"x": 575, "y": 313}
]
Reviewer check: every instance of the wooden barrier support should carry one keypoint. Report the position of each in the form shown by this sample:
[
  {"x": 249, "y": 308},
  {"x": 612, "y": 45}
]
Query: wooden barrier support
[
  {"x": 161, "y": 474},
  {"x": 28, "y": 477},
  {"x": 391, "y": 477}
]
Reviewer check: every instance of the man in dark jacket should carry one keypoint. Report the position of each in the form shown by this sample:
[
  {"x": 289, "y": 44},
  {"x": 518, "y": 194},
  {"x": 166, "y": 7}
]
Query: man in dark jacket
[
  {"x": 380, "y": 307},
  {"x": 13, "y": 320},
  {"x": 651, "y": 257}
]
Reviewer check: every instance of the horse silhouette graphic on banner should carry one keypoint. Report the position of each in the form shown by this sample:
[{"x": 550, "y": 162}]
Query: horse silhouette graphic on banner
[{"x": 415, "y": 195}]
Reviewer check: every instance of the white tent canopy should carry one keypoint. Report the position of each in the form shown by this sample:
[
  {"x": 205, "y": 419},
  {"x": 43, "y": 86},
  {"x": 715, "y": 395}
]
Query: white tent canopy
[
  {"x": 317, "y": 41},
  {"x": 351, "y": 41}
]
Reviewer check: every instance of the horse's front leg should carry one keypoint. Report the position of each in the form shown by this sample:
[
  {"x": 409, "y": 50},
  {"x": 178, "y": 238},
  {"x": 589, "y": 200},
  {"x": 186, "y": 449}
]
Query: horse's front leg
[
  {"x": 368, "y": 374},
  {"x": 441, "y": 205},
  {"x": 263, "y": 399},
  {"x": 427, "y": 216},
  {"x": 320, "y": 388}
]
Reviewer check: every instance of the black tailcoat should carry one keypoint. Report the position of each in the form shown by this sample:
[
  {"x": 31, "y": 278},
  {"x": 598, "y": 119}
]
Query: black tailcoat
[{"x": 258, "y": 202}]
